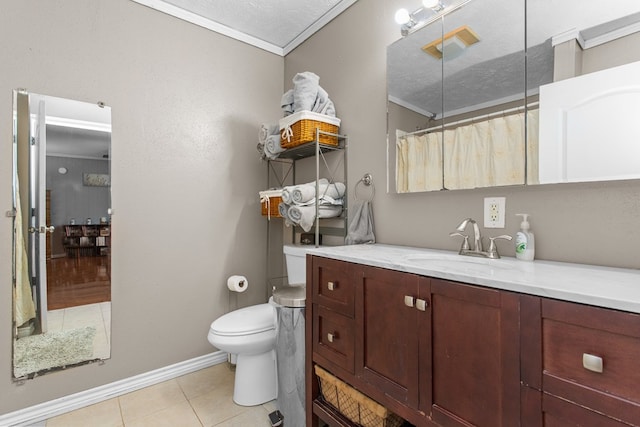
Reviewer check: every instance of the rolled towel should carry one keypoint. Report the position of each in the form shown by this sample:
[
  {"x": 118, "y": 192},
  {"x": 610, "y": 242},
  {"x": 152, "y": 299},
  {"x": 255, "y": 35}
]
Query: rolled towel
[
  {"x": 287, "y": 192},
  {"x": 328, "y": 192},
  {"x": 267, "y": 130},
  {"x": 304, "y": 216},
  {"x": 305, "y": 90},
  {"x": 272, "y": 147},
  {"x": 287, "y": 102},
  {"x": 303, "y": 193},
  {"x": 283, "y": 209},
  {"x": 286, "y": 195}
]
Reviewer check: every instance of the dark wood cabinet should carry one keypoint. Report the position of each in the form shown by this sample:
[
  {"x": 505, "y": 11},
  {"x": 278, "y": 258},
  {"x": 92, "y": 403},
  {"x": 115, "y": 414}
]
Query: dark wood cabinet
[
  {"x": 444, "y": 353},
  {"x": 583, "y": 362},
  {"x": 474, "y": 356},
  {"x": 387, "y": 342},
  {"x": 430, "y": 350}
]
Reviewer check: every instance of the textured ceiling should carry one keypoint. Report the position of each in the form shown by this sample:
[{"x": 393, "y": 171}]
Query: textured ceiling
[{"x": 277, "y": 26}]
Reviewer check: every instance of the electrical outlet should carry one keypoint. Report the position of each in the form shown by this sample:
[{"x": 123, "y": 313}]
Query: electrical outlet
[{"x": 494, "y": 212}]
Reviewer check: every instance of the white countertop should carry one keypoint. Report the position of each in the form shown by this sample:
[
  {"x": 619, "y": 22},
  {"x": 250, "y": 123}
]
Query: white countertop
[{"x": 617, "y": 288}]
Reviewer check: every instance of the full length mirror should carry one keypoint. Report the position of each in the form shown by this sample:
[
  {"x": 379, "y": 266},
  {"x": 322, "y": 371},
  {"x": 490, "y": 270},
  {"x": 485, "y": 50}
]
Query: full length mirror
[
  {"x": 468, "y": 85},
  {"x": 62, "y": 233}
]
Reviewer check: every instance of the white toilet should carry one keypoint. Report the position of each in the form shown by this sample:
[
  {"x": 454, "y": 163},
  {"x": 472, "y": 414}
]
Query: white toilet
[{"x": 250, "y": 334}]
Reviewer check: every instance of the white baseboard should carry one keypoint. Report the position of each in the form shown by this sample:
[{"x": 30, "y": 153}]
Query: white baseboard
[{"x": 52, "y": 408}]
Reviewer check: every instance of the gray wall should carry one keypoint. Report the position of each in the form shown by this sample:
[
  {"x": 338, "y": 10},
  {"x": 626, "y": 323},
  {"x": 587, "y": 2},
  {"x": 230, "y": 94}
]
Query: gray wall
[
  {"x": 596, "y": 223},
  {"x": 69, "y": 197},
  {"x": 186, "y": 106}
]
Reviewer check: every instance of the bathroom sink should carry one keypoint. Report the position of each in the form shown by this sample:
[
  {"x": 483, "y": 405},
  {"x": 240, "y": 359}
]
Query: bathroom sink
[{"x": 456, "y": 262}]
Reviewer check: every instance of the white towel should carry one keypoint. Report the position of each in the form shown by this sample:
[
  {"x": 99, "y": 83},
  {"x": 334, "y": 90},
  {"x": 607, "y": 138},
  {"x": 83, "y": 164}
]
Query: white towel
[
  {"x": 283, "y": 209},
  {"x": 328, "y": 192},
  {"x": 305, "y": 90},
  {"x": 304, "y": 216},
  {"x": 272, "y": 147},
  {"x": 287, "y": 192},
  {"x": 267, "y": 130}
]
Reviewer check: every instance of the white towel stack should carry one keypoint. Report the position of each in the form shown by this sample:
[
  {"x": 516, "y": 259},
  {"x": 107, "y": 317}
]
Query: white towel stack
[
  {"x": 298, "y": 204},
  {"x": 269, "y": 141}
]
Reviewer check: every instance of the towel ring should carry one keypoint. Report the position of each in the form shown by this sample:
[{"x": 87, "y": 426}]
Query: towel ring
[{"x": 367, "y": 181}]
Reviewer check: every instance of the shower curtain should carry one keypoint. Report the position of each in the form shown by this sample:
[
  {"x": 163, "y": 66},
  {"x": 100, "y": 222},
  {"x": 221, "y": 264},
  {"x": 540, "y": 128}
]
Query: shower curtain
[{"x": 483, "y": 154}]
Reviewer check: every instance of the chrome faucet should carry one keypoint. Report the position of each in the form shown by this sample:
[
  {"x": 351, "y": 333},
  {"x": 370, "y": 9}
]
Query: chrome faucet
[{"x": 465, "y": 249}]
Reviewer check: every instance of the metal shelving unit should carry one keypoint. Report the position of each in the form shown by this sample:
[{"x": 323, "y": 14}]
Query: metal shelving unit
[{"x": 318, "y": 150}]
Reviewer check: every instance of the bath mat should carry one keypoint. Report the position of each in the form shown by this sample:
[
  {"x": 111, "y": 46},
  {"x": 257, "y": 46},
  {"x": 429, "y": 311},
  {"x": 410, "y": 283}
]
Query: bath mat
[{"x": 37, "y": 353}]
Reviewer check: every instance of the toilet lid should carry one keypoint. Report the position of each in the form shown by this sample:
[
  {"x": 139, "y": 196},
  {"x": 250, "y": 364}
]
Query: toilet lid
[{"x": 248, "y": 320}]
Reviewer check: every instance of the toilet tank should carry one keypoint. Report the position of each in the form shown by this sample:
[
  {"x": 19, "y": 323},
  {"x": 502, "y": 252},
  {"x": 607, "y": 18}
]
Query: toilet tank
[{"x": 295, "y": 257}]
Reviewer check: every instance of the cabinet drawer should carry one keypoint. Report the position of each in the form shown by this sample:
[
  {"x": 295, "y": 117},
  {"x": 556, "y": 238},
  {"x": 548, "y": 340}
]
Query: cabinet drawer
[
  {"x": 333, "y": 337},
  {"x": 590, "y": 356},
  {"x": 333, "y": 285},
  {"x": 560, "y": 413}
]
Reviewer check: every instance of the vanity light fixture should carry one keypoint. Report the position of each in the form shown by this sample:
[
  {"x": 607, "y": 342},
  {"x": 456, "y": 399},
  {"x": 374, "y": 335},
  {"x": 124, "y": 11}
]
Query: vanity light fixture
[
  {"x": 430, "y": 11},
  {"x": 435, "y": 5}
]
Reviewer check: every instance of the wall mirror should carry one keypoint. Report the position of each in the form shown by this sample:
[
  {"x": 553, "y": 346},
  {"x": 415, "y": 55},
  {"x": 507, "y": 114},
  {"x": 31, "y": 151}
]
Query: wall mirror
[
  {"x": 460, "y": 106},
  {"x": 62, "y": 233}
]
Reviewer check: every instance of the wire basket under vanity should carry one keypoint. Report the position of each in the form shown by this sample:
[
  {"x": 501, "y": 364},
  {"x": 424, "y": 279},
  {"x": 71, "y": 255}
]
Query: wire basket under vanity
[{"x": 354, "y": 405}]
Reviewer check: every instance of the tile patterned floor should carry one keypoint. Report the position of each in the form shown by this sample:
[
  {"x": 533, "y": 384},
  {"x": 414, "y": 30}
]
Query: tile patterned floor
[
  {"x": 199, "y": 399},
  {"x": 97, "y": 315}
]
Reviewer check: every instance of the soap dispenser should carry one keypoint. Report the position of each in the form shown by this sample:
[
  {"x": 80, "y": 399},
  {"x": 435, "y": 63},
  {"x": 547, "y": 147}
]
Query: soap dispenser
[{"x": 525, "y": 243}]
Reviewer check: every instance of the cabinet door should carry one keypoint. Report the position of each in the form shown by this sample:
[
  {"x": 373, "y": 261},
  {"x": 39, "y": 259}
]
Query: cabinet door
[
  {"x": 474, "y": 356},
  {"x": 387, "y": 347}
]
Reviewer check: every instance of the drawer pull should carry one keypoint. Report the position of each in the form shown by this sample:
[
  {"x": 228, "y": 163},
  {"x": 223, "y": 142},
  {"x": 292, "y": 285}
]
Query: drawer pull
[
  {"x": 422, "y": 304},
  {"x": 332, "y": 286},
  {"x": 409, "y": 300},
  {"x": 331, "y": 337},
  {"x": 592, "y": 363}
]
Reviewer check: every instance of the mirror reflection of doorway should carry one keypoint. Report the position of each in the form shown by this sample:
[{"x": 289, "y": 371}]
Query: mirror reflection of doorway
[{"x": 66, "y": 208}]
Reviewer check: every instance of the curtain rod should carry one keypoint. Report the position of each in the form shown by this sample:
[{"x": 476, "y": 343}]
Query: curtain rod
[{"x": 471, "y": 119}]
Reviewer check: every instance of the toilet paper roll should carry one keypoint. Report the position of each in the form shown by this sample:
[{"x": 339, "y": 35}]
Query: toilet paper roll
[{"x": 237, "y": 283}]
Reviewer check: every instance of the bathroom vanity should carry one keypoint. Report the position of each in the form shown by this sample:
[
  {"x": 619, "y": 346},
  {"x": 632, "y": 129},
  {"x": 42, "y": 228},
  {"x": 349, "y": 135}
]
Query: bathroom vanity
[{"x": 442, "y": 339}]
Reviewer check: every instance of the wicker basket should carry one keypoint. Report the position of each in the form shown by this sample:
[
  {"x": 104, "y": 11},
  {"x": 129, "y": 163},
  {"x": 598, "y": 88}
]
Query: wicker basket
[
  {"x": 354, "y": 405},
  {"x": 269, "y": 201},
  {"x": 300, "y": 128}
]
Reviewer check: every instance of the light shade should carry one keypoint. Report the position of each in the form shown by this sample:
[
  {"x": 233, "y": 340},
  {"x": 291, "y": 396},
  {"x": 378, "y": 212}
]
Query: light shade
[
  {"x": 431, "y": 3},
  {"x": 402, "y": 16}
]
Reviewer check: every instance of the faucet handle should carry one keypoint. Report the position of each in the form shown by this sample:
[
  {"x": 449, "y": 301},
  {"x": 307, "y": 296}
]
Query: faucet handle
[
  {"x": 465, "y": 242},
  {"x": 493, "y": 249}
]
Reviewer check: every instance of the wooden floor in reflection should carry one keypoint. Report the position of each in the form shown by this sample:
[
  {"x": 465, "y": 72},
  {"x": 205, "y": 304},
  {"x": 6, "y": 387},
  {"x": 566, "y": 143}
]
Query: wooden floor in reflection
[{"x": 77, "y": 281}]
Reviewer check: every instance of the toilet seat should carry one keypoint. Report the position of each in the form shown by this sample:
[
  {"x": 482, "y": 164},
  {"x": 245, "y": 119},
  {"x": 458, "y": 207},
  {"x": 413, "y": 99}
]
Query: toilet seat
[{"x": 246, "y": 321}]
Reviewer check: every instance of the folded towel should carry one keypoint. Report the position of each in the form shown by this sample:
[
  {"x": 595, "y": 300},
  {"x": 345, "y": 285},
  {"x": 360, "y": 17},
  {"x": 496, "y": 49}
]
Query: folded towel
[
  {"x": 304, "y": 216},
  {"x": 360, "y": 229},
  {"x": 323, "y": 104},
  {"x": 272, "y": 146},
  {"x": 305, "y": 90}
]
